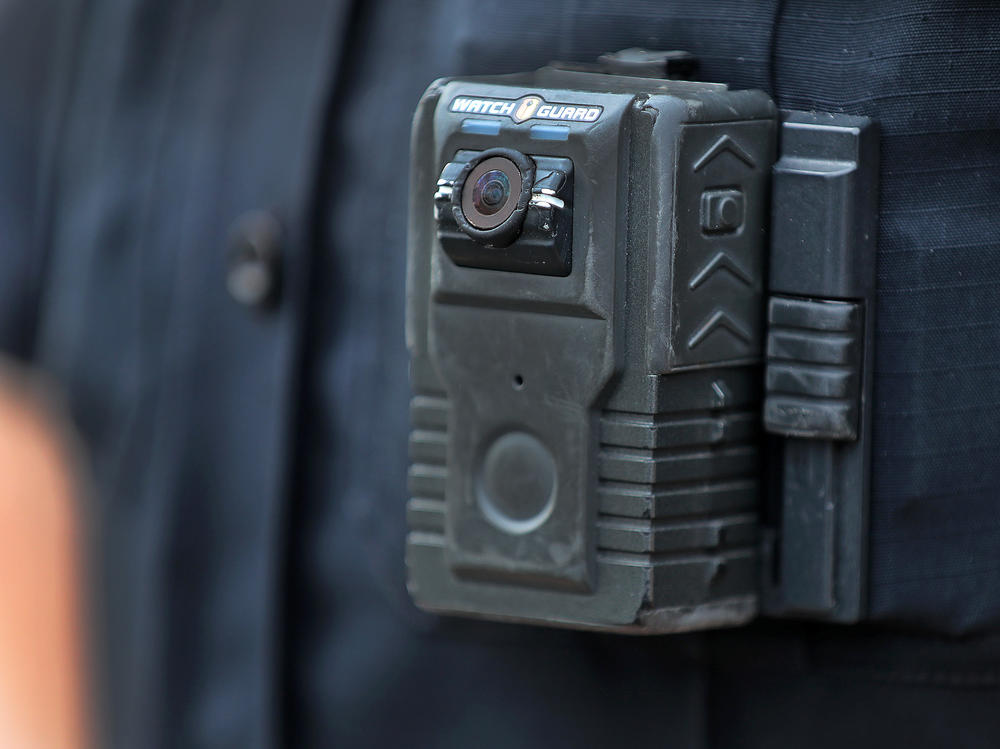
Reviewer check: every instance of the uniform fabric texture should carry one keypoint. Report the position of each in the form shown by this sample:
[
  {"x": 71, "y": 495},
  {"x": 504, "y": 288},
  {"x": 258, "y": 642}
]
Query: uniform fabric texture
[{"x": 251, "y": 464}]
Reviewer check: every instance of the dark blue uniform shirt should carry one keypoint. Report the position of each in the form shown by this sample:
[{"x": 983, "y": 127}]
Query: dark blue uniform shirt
[{"x": 250, "y": 460}]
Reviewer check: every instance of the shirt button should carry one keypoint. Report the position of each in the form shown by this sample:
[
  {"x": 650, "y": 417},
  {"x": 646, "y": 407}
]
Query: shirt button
[{"x": 253, "y": 273}]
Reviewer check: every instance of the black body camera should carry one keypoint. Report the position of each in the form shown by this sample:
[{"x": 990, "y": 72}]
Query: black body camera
[{"x": 587, "y": 318}]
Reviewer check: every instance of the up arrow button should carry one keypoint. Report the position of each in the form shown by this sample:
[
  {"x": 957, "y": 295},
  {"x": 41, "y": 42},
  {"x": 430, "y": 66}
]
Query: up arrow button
[{"x": 725, "y": 143}]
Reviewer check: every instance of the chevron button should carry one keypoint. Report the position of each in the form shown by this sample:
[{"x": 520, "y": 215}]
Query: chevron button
[
  {"x": 720, "y": 262},
  {"x": 718, "y": 319}
]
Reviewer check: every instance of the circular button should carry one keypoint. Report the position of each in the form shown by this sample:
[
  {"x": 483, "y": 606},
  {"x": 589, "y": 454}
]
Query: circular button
[
  {"x": 517, "y": 483},
  {"x": 729, "y": 212},
  {"x": 253, "y": 275}
]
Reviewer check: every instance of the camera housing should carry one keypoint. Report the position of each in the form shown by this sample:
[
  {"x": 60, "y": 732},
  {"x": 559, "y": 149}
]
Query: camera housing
[
  {"x": 587, "y": 366},
  {"x": 530, "y": 231}
]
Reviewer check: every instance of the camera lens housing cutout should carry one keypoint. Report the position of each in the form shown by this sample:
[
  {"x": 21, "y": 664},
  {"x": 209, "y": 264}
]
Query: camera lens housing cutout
[{"x": 500, "y": 209}]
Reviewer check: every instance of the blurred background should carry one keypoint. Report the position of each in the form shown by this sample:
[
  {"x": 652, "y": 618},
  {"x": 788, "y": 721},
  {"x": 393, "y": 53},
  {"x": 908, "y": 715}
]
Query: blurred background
[
  {"x": 43, "y": 690},
  {"x": 204, "y": 400}
]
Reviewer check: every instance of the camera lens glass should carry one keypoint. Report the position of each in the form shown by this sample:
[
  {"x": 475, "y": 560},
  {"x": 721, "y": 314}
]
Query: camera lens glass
[{"x": 491, "y": 191}]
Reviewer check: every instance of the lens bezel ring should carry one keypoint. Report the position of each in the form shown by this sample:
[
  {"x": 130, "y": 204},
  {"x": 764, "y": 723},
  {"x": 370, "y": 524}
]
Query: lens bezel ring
[{"x": 509, "y": 228}]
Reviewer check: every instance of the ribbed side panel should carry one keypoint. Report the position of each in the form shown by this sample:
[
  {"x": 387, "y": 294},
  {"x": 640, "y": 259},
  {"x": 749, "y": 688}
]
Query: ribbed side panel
[
  {"x": 678, "y": 492},
  {"x": 425, "y": 511}
]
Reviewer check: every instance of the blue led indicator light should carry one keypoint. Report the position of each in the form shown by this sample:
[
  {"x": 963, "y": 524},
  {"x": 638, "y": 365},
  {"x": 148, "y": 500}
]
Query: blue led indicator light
[
  {"x": 481, "y": 127},
  {"x": 550, "y": 132}
]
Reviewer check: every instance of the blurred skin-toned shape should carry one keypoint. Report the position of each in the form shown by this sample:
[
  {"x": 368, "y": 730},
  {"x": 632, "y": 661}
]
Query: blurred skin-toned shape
[{"x": 41, "y": 618}]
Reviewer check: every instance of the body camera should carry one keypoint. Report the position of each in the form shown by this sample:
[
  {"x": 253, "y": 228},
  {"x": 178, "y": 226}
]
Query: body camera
[{"x": 585, "y": 304}]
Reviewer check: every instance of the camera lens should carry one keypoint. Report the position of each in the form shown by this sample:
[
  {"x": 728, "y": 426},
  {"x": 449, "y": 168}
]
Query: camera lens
[{"x": 491, "y": 191}]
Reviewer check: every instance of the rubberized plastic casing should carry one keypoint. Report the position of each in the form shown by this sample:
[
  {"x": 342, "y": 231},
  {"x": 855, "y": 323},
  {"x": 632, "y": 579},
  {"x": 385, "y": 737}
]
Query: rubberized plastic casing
[{"x": 585, "y": 447}]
